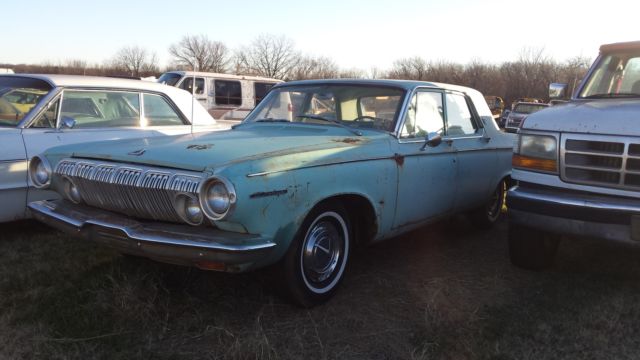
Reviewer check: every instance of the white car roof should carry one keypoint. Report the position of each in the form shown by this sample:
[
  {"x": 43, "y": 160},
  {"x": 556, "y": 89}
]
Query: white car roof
[{"x": 183, "y": 99}]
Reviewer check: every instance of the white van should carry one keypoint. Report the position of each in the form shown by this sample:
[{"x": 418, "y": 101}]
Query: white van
[{"x": 227, "y": 97}]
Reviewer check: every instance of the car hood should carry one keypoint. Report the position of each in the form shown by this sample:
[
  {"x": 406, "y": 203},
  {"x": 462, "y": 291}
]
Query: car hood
[
  {"x": 199, "y": 152},
  {"x": 607, "y": 117}
]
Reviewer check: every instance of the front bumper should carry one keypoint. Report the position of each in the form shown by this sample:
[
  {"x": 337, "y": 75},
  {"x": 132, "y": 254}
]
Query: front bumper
[
  {"x": 579, "y": 213},
  {"x": 202, "y": 247}
]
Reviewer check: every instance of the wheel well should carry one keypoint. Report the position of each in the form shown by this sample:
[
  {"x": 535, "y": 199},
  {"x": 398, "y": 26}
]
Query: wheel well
[{"x": 362, "y": 216}]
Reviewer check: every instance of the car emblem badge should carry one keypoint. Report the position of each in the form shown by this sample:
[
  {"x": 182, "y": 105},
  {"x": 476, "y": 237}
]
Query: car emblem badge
[{"x": 137, "y": 152}]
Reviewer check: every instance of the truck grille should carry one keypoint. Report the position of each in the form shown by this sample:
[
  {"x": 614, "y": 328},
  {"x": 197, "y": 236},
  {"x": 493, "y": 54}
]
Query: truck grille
[
  {"x": 609, "y": 161},
  {"x": 137, "y": 191}
]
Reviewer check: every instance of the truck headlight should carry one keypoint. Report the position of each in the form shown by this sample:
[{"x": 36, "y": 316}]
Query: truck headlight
[
  {"x": 40, "y": 172},
  {"x": 217, "y": 198},
  {"x": 536, "y": 152}
]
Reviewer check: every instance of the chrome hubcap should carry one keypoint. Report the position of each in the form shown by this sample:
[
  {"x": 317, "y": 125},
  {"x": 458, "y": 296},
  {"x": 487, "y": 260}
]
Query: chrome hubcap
[{"x": 322, "y": 251}]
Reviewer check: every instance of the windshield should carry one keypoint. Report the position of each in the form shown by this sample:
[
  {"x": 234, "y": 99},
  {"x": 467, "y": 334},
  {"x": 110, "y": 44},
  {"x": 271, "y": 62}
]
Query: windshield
[
  {"x": 18, "y": 96},
  {"x": 169, "y": 78},
  {"x": 529, "y": 108},
  {"x": 355, "y": 106},
  {"x": 615, "y": 75}
]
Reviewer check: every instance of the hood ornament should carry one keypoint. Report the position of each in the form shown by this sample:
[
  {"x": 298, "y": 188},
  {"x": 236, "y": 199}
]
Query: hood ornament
[{"x": 137, "y": 152}]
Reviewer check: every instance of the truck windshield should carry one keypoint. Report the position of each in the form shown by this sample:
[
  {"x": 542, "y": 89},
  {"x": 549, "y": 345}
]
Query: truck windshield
[
  {"x": 18, "y": 97},
  {"x": 169, "y": 78},
  {"x": 359, "y": 107},
  {"x": 616, "y": 75}
]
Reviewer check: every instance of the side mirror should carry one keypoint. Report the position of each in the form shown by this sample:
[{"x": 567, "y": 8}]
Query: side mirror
[
  {"x": 67, "y": 122},
  {"x": 432, "y": 139},
  {"x": 557, "y": 90}
]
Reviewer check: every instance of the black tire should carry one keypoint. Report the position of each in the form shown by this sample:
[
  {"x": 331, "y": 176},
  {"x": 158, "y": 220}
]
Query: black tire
[
  {"x": 488, "y": 214},
  {"x": 530, "y": 248},
  {"x": 312, "y": 276}
]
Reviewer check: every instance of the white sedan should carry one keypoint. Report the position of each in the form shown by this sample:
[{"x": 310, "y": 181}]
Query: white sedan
[{"x": 41, "y": 111}]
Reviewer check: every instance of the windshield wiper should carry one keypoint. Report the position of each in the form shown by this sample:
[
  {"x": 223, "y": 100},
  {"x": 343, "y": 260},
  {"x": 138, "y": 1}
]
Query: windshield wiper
[
  {"x": 611, "y": 95},
  {"x": 316, "y": 117}
]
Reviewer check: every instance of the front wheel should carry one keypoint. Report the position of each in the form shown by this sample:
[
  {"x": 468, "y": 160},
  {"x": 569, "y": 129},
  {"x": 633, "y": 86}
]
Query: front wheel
[
  {"x": 315, "y": 263},
  {"x": 485, "y": 216}
]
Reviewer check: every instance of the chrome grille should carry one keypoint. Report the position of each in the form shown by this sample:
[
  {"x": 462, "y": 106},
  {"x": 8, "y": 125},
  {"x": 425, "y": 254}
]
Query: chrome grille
[
  {"x": 137, "y": 191},
  {"x": 599, "y": 160}
]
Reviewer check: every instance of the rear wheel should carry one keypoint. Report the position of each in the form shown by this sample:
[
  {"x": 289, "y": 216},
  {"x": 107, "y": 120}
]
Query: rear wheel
[
  {"x": 530, "y": 248},
  {"x": 485, "y": 216},
  {"x": 316, "y": 260}
]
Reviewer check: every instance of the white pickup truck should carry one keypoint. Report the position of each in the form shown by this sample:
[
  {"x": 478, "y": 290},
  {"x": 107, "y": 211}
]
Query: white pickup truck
[{"x": 578, "y": 164}]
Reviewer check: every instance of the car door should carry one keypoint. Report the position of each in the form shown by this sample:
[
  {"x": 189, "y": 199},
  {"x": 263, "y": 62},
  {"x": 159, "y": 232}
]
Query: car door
[
  {"x": 426, "y": 175},
  {"x": 476, "y": 155},
  {"x": 13, "y": 175}
]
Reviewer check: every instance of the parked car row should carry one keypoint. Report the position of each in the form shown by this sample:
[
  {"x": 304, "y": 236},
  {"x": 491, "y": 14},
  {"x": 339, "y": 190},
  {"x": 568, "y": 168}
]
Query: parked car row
[{"x": 320, "y": 167}]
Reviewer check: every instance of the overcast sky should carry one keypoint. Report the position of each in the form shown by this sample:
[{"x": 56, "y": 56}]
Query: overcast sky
[{"x": 360, "y": 34}]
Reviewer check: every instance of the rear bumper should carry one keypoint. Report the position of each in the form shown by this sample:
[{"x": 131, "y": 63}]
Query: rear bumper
[
  {"x": 569, "y": 212},
  {"x": 202, "y": 247}
]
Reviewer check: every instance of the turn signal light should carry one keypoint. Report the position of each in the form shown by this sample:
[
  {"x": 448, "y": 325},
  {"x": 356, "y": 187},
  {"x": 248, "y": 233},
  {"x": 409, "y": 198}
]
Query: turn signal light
[{"x": 530, "y": 163}]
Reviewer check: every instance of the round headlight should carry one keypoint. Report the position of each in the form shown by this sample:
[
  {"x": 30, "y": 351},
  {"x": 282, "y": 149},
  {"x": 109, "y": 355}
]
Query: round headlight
[
  {"x": 40, "y": 172},
  {"x": 188, "y": 208},
  {"x": 71, "y": 191},
  {"x": 217, "y": 198}
]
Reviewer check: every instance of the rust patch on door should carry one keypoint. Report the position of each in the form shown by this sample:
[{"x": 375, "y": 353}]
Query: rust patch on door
[{"x": 399, "y": 159}]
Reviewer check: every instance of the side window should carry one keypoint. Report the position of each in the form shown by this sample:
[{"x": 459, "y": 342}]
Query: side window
[
  {"x": 158, "y": 112},
  {"x": 260, "y": 90},
  {"x": 187, "y": 84},
  {"x": 424, "y": 115},
  {"x": 47, "y": 119},
  {"x": 459, "y": 119},
  {"x": 101, "y": 108},
  {"x": 228, "y": 92}
]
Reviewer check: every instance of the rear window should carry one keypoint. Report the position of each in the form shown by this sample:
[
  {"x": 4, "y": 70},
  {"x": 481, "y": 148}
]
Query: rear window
[
  {"x": 228, "y": 92},
  {"x": 260, "y": 90}
]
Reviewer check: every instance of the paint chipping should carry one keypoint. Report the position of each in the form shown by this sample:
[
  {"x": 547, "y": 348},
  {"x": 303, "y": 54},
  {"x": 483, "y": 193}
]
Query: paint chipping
[
  {"x": 348, "y": 140},
  {"x": 268, "y": 193},
  {"x": 199, "y": 146}
]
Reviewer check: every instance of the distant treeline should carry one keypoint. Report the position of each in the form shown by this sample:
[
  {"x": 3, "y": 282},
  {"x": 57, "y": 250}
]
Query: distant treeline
[{"x": 275, "y": 56}]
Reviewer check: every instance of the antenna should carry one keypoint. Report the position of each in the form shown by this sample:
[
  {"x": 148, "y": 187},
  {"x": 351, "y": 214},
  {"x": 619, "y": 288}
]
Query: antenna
[{"x": 193, "y": 94}]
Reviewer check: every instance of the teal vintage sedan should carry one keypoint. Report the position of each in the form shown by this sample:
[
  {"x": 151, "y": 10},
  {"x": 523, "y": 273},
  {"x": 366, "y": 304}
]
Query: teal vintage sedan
[{"x": 315, "y": 169}]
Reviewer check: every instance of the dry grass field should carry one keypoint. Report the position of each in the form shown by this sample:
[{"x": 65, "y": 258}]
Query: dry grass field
[{"x": 443, "y": 292}]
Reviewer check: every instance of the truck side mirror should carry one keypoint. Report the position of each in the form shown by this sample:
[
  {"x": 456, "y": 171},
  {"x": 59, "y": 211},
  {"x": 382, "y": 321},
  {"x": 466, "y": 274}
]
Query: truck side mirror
[{"x": 557, "y": 91}]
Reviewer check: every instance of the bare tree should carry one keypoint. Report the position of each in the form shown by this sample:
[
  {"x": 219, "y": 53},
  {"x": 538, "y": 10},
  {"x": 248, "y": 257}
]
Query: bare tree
[
  {"x": 269, "y": 55},
  {"x": 135, "y": 61},
  {"x": 314, "y": 68},
  {"x": 201, "y": 53}
]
